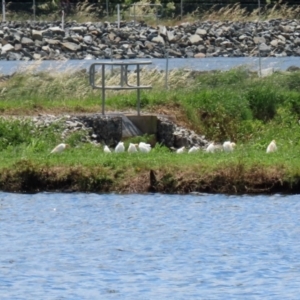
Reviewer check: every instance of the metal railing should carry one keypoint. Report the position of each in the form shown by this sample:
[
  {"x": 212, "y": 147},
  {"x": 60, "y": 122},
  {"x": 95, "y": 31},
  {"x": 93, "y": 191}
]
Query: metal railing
[{"x": 124, "y": 84}]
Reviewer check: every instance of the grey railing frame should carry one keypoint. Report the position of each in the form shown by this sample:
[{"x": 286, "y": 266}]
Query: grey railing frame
[{"x": 124, "y": 84}]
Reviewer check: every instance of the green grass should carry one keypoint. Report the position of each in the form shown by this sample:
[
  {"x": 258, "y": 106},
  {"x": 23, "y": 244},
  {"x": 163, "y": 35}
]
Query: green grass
[{"x": 235, "y": 105}]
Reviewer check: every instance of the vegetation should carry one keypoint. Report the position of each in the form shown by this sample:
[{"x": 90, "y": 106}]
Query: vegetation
[
  {"x": 169, "y": 12},
  {"x": 236, "y": 105}
]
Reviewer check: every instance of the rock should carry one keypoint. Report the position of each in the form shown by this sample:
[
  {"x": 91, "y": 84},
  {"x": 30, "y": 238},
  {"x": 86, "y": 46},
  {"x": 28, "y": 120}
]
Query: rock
[
  {"x": 264, "y": 49},
  {"x": 37, "y": 56},
  {"x": 37, "y": 35},
  {"x": 158, "y": 39},
  {"x": 213, "y": 38},
  {"x": 57, "y": 30},
  {"x": 274, "y": 43},
  {"x": 52, "y": 42},
  {"x": 162, "y": 30},
  {"x": 27, "y": 42},
  {"x": 78, "y": 29},
  {"x": 199, "y": 55},
  {"x": 71, "y": 46},
  {"x": 7, "y": 48},
  {"x": 88, "y": 39},
  {"x": 18, "y": 47},
  {"x": 259, "y": 40},
  {"x": 201, "y": 32},
  {"x": 293, "y": 69},
  {"x": 170, "y": 36},
  {"x": 14, "y": 56},
  {"x": 195, "y": 39}
]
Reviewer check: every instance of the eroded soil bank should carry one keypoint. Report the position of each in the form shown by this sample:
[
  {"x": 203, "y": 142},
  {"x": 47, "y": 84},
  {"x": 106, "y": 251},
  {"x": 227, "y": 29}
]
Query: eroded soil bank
[{"x": 28, "y": 178}]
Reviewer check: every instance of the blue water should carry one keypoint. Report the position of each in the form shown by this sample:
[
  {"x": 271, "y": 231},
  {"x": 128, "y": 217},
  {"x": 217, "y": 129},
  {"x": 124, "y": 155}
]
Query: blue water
[
  {"x": 204, "y": 64},
  {"x": 88, "y": 246}
]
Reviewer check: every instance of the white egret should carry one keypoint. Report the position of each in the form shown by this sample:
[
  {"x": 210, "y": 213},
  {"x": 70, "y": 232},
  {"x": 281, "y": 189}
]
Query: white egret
[
  {"x": 272, "y": 147},
  {"x": 228, "y": 146},
  {"x": 180, "y": 150},
  {"x": 211, "y": 148},
  {"x": 106, "y": 149},
  {"x": 194, "y": 149},
  {"x": 132, "y": 148},
  {"x": 143, "y": 147},
  {"x": 120, "y": 147},
  {"x": 60, "y": 148}
]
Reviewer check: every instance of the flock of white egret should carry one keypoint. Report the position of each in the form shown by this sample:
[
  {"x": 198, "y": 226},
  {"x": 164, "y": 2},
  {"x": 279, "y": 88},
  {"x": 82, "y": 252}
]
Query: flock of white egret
[
  {"x": 132, "y": 148},
  {"x": 146, "y": 148}
]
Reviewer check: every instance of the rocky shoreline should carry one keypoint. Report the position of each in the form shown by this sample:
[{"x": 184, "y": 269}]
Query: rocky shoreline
[{"x": 104, "y": 40}]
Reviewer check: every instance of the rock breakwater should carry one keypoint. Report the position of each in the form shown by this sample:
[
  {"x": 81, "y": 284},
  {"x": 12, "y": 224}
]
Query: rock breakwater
[{"x": 104, "y": 40}]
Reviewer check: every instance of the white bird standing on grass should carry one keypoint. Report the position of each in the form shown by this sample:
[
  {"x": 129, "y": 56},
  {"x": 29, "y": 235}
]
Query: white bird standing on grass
[
  {"x": 211, "y": 148},
  {"x": 106, "y": 149},
  {"x": 143, "y": 147},
  {"x": 120, "y": 147},
  {"x": 59, "y": 148},
  {"x": 132, "y": 148},
  {"x": 180, "y": 150},
  {"x": 228, "y": 146},
  {"x": 272, "y": 147},
  {"x": 194, "y": 149}
]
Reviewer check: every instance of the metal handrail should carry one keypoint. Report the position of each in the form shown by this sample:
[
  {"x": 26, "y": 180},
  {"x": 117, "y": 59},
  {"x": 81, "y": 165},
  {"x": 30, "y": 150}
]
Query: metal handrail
[{"x": 124, "y": 84}]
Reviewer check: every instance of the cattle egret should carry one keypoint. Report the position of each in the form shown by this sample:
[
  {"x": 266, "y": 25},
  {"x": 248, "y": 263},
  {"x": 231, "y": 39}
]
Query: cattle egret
[
  {"x": 132, "y": 148},
  {"x": 180, "y": 150},
  {"x": 228, "y": 146},
  {"x": 272, "y": 147},
  {"x": 59, "y": 148},
  {"x": 211, "y": 148},
  {"x": 120, "y": 147},
  {"x": 144, "y": 147},
  {"x": 194, "y": 149},
  {"x": 106, "y": 149}
]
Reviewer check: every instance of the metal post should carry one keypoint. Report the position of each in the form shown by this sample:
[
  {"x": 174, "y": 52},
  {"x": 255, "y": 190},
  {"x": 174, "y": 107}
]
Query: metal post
[
  {"x": 107, "y": 8},
  {"x": 181, "y": 9},
  {"x": 3, "y": 11},
  {"x": 111, "y": 58},
  {"x": 134, "y": 14},
  {"x": 33, "y": 8},
  {"x": 118, "y": 12},
  {"x": 103, "y": 89},
  {"x": 259, "y": 56},
  {"x": 63, "y": 19},
  {"x": 167, "y": 69},
  {"x": 138, "y": 90}
]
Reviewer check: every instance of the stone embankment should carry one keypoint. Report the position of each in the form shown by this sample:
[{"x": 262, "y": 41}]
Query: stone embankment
[
  {"x": 99, "y": 129},
  {"x": 104, "y": 40}
]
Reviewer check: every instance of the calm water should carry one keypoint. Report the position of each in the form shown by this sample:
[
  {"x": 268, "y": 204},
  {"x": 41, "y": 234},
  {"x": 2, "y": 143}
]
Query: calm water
[
  {"x": 205, "y": 64},
  {"x": 87, "y": 246}
]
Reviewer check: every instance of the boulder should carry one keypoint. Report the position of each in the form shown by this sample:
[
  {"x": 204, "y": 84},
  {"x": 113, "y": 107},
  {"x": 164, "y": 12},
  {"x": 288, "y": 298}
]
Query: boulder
[
  {"x": 71, "y": 46},
  {"x": 7, "y": 48}
]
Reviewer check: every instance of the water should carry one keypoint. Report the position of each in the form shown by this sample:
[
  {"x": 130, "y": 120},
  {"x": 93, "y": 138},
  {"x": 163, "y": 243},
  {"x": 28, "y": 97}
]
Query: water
[
  {"x": 87, "y": 246},
  {"x": 205, "y": 64}
]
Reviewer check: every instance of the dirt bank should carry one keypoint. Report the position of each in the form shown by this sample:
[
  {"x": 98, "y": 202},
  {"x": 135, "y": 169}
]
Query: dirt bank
[{"x": 28, "y": 178}]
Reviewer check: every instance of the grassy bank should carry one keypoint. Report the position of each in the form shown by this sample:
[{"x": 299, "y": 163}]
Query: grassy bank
[{"x": 235, "y": 105}]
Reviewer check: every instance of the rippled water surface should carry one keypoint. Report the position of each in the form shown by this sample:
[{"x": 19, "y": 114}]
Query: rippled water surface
[
  {"x": 203, "y": 64},
  {"x": 87, "y": 246}
]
